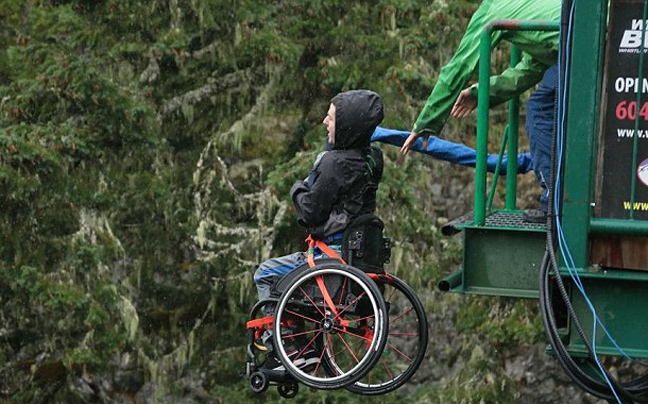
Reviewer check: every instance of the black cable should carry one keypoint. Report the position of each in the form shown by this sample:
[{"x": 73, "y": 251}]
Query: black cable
[{"x": 635, "y": 391}]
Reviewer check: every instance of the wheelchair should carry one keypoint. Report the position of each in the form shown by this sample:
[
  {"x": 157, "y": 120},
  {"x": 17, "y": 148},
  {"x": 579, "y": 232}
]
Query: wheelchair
[{"x": 364, "y": 329}]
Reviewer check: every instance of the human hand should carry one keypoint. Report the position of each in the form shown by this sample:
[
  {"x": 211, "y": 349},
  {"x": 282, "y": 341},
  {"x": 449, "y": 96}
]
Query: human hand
[
  {"x": 411, "y": 140},
  {"x": 465, "y": 104}
]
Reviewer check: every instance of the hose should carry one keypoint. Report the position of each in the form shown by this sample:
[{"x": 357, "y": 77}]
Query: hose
[{"x": 633, "y": 392}]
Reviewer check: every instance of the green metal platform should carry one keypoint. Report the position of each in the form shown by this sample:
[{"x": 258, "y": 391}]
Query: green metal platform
[
  {"x": 602, "y": 239},
  {"x": 501, "y": 257},
  {"x": 620, "y": 298}
]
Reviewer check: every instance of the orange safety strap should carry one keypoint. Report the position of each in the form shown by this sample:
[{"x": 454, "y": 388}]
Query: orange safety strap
[
  {"x": 326, "y": 295},
  {"x": 311, "y": 251},
  {"x": 312, "y": 243}
]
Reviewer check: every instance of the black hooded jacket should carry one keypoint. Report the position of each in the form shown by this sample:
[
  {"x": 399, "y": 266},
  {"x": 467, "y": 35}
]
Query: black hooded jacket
[{"x": 342, "y": 185}]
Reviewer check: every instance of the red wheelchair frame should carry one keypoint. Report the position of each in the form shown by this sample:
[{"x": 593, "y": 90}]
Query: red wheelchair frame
[{"x": 349, "y": 317}]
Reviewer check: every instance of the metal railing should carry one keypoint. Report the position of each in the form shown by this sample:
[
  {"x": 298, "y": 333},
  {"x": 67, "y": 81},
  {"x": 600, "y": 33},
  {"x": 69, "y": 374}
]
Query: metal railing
[{"x": 483, "y": 105}]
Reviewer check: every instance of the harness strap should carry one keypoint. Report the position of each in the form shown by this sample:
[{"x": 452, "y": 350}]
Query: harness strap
[
  {"x": 326, "y": 295},
  {"x": 312, "y": 243}
]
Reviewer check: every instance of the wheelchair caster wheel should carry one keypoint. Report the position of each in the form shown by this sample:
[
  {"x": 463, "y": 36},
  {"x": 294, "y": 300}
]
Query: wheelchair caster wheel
[
  {"x": 288, "y": 390},
  {"x": 258, "y": 382}
]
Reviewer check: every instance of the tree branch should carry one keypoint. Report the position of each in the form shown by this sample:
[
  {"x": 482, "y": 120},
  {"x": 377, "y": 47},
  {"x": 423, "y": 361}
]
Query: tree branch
[
  {"x": 212, "y": 47},
  {"x": 201, "y": 93}
]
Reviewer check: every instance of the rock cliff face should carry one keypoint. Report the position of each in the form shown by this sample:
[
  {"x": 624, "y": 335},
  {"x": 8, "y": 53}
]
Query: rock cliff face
[
  {"x": 117, "y": 325},
  {"x": 523, "y": 373},
  {"x": 178, "y": 336},
  {"x": 465, "y": 361}
]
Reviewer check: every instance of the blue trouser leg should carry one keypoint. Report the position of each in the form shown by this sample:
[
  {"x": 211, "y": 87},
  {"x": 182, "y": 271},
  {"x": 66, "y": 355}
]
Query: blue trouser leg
[
  {"x": 264, "y": 277},
  {"x": 454, "y": 153},
  {"x": 270, "y": 269},
  {"x": 540, "y": 123},
  {"x": 278, "y": 266},
  {"x": 267, "y": 273}
]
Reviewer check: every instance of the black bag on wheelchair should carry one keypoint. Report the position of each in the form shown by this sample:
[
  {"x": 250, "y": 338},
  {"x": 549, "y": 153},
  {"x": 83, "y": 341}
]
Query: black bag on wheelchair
[{"x": 363, "y": 244}]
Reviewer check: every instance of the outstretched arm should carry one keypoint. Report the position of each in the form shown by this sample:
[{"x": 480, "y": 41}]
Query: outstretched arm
[
  {"x": 445, "y": 150},
  {"x": 453, "y": 77}
]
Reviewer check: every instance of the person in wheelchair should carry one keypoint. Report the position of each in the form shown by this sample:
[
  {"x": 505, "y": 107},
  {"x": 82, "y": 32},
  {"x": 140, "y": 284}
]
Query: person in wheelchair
[{"x": 340, "y": 187}]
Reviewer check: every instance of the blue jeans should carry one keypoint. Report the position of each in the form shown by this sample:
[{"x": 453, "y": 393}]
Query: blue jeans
[
  {"x": 267, "y": 273},
  {"x": 278, "y": 266},
  {"x": 454, "y": 153},
  {"x": 540, "y": 125}
]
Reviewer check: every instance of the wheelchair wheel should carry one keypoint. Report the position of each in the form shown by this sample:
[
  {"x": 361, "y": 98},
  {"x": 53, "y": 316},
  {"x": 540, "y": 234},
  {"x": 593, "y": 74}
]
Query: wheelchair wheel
[
  {"x": 288, "y": 390},
  {"x": 258, "y": 382},
  {"x": 406, "y": 340},
  {"x": 333, "y": 326}
]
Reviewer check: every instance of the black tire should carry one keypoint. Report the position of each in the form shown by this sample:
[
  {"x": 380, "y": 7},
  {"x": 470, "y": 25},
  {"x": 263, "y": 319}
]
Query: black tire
[
  {"x": 406, "y": 340},
  {"x": 333, "y": 315},
  {"x": 258, "y": 382},
  {"x": 288, "y": 390}
]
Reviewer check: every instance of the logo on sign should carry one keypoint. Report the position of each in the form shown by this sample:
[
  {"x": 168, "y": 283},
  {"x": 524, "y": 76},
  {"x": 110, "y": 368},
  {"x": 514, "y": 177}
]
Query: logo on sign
[
  {"x": 642, "y": 172},
  {"x": 631, "y": 41}
]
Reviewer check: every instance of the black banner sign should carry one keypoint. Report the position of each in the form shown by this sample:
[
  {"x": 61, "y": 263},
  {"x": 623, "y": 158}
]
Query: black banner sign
[{"x": 622, "y": 82}]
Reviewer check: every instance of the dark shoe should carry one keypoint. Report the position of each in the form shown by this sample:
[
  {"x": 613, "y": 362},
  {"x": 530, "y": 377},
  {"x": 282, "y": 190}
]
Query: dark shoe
[
  {"x": 305, "y": 358},
  {"x": 535, "y": 216},
  {"x": 272, "y": 363}
]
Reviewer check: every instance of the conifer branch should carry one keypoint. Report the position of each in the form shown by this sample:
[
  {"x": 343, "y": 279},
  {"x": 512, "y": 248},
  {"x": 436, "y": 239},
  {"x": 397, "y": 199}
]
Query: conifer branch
[{"x": 212, "y": 87}]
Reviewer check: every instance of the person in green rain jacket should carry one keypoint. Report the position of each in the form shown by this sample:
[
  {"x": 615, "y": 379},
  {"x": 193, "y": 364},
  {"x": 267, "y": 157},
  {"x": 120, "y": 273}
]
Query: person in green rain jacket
[{"x": 539, "y": 57}]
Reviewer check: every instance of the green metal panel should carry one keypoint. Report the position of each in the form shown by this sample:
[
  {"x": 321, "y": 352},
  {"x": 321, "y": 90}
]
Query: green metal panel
[
  {"x": 584, "y": 97},
  {"x": 621, "y": 306},
  {"x": 502, "y": 257},
  {"x": 502, "y": 262}
]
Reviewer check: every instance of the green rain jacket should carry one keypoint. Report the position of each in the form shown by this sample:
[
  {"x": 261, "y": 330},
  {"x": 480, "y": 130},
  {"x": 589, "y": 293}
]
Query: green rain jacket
[{"x": 539, "y": 52}]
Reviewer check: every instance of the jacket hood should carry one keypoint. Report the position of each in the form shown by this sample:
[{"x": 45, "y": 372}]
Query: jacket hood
[{"x": 357, "y": 114}]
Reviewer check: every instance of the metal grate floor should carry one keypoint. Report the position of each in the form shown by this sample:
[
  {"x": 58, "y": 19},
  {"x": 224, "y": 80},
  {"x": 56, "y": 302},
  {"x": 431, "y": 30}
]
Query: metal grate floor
[
  {"x": 511, "y": 219},
  {"x": 497, "y": 219}
]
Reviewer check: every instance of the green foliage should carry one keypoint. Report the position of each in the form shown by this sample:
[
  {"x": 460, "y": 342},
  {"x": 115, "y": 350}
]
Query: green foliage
[
  {"x": 146, "y": 153},
  {"x": 503, "y": 322},
  {"x": 479, "y": 382},
  {"x": 269, "y": 45},
  {"x": 50, "y": 292}
]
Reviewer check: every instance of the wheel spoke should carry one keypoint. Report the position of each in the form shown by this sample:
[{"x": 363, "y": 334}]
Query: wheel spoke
[
  {"x": 307, "y": 296},
  {"x": 300, "y": 315},
  {"x": 358, "y": 336},
  {"x": 343, "y": 290},
  {"x": 398, "y": 351},
  {"x": 398, "y": 317},
  {"x": 351, "y": 303},
  {"x": 348, "y": 348}
]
